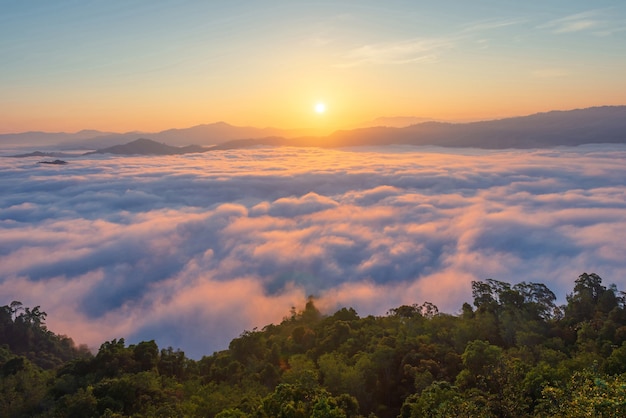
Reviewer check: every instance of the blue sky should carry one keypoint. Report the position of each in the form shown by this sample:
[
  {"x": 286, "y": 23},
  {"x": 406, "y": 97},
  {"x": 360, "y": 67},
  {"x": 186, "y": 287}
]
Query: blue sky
[{"x": 138, "y": 65}]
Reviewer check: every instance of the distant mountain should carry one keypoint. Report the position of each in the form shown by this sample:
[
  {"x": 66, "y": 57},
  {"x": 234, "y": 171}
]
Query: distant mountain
[
  {"x": 594, "y": 125},
  {"x": 275, "y": 141},
  {"x": 49, "y": 138},
  {"x": 208, "y": 134},
  {"x": 217, "y": 133},
  {"x": 143, "y": 146},
  {"x": 55, "y": 162},
  {"x": 557, "y": 128},
  {"x": 393, "y": 122},
  {"x": 574, "y": 127},
  {"x": 42, "y": 154}
]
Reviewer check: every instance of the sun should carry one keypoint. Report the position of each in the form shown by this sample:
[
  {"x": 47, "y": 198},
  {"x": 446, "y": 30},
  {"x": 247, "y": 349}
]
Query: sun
[{"x": 320, "y": 107}]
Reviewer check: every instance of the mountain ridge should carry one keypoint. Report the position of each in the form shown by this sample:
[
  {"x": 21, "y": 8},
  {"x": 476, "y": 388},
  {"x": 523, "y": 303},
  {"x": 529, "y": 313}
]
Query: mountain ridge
[
  {"x": 144, "y": 146},
  {"x": 606, "y": 124},
  {"x": 602, "y": 124},
  {"x": 203, "y": 134}
]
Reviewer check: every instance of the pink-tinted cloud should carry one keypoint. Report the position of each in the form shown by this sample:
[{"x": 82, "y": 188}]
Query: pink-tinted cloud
[{"x": 162, "y": 247}]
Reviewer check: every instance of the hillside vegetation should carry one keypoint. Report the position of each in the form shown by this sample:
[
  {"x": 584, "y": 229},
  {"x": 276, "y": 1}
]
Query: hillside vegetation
[{"x": 511, "y": 353}]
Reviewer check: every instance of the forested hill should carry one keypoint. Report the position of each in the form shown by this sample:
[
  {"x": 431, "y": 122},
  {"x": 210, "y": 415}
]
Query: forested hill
[
  {"x": 511, "y": 353},
  {"x": 23, "y": 332}
]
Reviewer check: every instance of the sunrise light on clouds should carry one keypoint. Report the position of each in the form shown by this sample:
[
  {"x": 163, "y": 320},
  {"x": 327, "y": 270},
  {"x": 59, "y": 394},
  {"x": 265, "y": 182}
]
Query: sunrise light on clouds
[
  {"x": 368, "y": 154},
  {"x": 149, "y": 248}
]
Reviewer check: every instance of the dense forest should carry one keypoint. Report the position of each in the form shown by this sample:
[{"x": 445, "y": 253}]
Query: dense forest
[{"x": 512, "y": 353}]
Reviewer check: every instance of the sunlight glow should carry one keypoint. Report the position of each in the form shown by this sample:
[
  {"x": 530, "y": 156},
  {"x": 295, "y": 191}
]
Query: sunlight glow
[{"x": 320, "y": 107}]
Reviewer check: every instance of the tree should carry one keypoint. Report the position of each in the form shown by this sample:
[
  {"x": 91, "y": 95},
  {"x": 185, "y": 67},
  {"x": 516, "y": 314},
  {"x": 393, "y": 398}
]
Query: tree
[
  {"x": 583, "y": 303},
  {"x": 587, "y": 394},
  {"x": 173, "y": 363},
  {"x": 24, "y": 332},
  {"x": 480, "y": 359},
  {"x": 146, "y": 355},
  {"x": 539, "y": 301},
  {"x": 296, "y": 401},
  {"x": 439, "y": 400},
  {"x": 23, "y": 388}
]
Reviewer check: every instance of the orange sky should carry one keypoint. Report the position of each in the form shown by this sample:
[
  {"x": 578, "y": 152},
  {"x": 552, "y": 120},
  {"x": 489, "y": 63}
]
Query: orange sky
[{"x": 118, "y": 67}]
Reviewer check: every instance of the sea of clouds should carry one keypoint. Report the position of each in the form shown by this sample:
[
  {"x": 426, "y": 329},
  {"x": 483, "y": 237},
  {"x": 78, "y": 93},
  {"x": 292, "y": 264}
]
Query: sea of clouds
[{"x": 191, "y": 250}]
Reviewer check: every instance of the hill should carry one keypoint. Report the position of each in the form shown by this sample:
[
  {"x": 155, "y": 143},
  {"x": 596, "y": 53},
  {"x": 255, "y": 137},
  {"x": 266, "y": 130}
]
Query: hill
[
  {"x": 205, "y": 134},
  {"x": 512, "y": 353},
  {"x": 542, "y": 130},
  {"x": 42, "y": 154},
  {"x": 143, "y": 146},
  {"x": 217, "y": 133},
  {"x": 23, "y": 332},
  {"x": 393, "y": 122},
  {"x": 50, "y": 138},
  {"x": 557, "y": 128}
]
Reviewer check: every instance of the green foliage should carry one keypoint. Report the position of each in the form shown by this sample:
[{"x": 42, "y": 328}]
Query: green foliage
[
  {"x": 23, "y": 387},
  {"x": 513, "y": 354},
  {"x": 300, "y": 401},
  {"x": 587, "y": 394},
  {"x": 23, "y": 332},
  {"x": 441, "y": 399}
]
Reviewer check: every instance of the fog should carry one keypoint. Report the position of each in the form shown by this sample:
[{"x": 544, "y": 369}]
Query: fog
[{"x": 191, "y": 250}]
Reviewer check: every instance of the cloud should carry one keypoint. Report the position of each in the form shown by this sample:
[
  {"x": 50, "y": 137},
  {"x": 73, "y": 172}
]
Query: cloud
[
  {"x": 191, "y": 250},
  {"x": 398, "y": 52},
  {"x": 307, "y": 204},
  {"x": 486, "y": 25},
  {"x": 421, "y": 50},
  {"x": 575, "y": 23}
]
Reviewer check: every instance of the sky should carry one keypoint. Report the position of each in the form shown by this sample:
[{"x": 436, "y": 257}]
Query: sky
[
  {"x": 191, "y": 250},
  {"x": 148, "y": 66}
]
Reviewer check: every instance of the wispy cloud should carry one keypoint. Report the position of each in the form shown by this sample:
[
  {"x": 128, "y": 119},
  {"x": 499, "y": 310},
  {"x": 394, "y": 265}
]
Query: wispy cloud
[
  {"x": 612, "y": 29},
  {"x": 486, "y": 25},
  {"x": 400, "y": 52},
  {"x": 576, "y": 23},
  {"x": 421, "y": 50}
]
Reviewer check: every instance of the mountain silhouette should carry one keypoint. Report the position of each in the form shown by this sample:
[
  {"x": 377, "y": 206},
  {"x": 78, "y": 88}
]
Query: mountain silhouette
[
  {"x": 143, "y": 146},
  {"x": 206, "y": 135},
  {"x": 606, "y": 124},
  {"x": 542, "y": 130},
  {"x": 557, "y": 128},
  {"x": 41, "y": 154}
]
